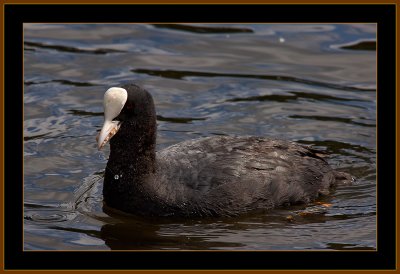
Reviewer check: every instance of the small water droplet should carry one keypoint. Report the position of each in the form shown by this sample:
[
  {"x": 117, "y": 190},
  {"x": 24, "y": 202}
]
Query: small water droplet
[{"x": 116, "y": 177}]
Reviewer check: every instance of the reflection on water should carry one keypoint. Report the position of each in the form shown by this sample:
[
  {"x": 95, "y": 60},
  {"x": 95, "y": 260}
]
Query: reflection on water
[
  {"x": 311, "y": 83},
  {"x": 180, "y": 75},
  {"x": 204, "y": 29}
]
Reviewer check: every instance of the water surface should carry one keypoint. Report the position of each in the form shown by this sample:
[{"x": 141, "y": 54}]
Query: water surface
[{"x": 311, "y": 83}]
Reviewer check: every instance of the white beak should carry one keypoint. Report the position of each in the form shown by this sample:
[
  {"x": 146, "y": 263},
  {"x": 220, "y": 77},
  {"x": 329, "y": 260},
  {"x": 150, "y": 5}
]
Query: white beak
[
  {"x": 110, "y": 128},
  {"x": 114, "y": 101}
]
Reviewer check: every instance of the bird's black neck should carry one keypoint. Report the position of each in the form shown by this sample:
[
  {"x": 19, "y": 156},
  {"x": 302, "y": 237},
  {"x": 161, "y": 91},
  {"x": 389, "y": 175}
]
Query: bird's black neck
[
  {"x": 131, "y": 162},
  {"x": 133, "y": 147}
]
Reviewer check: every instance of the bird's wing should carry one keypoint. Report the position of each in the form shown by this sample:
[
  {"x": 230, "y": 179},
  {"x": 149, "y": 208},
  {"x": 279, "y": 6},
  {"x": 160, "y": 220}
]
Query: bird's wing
[{"x": 205, "y": 163}]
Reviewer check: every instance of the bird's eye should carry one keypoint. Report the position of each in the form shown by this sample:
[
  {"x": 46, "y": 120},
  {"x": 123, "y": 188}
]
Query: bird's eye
[{"x": 120, "y": 117}]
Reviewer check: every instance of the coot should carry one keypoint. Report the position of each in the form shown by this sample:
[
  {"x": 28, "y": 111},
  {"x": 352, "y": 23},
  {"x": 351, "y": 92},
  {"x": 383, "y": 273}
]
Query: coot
[{"x": 213, "y": 176}]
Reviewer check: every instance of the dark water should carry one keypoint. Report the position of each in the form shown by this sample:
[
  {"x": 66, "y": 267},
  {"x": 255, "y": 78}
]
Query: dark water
[{"x": 311, "y": 83}]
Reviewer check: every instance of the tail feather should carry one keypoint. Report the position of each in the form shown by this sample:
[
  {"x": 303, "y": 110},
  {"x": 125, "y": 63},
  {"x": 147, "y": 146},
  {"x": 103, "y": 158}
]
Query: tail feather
[{"x": 344, "y": 178}]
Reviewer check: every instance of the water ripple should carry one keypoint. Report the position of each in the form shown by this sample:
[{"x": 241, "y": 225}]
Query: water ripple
[
  {"x": 334, "y": 119},
  {"x": 358, "y": 45},
  {"x": 293, "y": 96},
  {"x": 61, "y": 81},
  {"x": 203, "y": 29},
  {"x": 70, "y": 49},
  {"x": 180, "y": 75}
]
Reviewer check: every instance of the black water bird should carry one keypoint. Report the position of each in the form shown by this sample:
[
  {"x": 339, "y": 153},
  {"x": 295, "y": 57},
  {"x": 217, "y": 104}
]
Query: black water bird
[{"x": 213, "y": 176}]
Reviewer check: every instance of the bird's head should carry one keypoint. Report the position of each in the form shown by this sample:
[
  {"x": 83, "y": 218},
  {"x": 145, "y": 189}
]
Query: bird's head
[{"x": 125, "y": 104}]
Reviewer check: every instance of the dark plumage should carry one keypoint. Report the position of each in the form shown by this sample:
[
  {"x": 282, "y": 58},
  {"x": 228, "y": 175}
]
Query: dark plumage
[{"x": 213, "y": 176}]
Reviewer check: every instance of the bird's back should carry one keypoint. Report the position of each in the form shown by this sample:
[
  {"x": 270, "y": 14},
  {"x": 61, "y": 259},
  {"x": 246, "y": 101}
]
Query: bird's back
[{"x": 230, "y": 175}]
